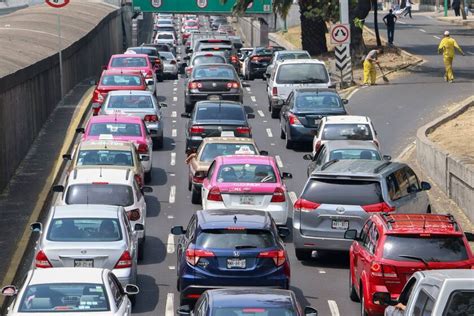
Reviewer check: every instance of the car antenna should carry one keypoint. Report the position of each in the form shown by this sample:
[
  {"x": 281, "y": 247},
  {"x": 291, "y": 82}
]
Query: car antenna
[{"x": 235, "y": 219}]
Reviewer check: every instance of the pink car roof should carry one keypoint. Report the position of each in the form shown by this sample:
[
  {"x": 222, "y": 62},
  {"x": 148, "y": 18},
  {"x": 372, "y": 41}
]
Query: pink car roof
[
  {"x": 129, "y": 55},
  {"x": 115, "y": 118},
  {"x": 250, "y": 159}
]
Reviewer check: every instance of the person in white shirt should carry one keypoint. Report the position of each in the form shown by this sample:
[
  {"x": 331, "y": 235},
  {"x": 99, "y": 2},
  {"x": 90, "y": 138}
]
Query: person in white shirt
[{"x": 408, "y": 9}]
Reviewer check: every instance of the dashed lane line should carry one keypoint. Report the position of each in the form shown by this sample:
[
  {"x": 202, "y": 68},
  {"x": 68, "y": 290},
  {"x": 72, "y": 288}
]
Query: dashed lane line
[
  {"x": 174, "y": 114},
  {"x": 269, "y": 132},
  {"x": 333, "y": 308},
  {"x": 278, "y": 161},
  {"x": 253, "y": 98},
  {"x": 172, "y": 197},
  {"x": 293, "y": 197},
  {"x": 437, "y": 37},
  {"x": 174, "y": 132},
  {"x": 175, "y": 99},
  {"x": 169, "y": 308},
  {"x": 173, "y": 159},
  {"x": 175, "y": 89},
  {"x": 470, "y": 53},
  {"x": 421, "y": 30},
  {"x": 170, "y": 244},
  {"x": 260, "y": 112},
  {"x": 248, "y": 89},
  {"x": 401, "y": 22}
]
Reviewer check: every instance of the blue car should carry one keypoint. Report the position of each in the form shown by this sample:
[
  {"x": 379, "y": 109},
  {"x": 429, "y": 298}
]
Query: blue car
[
  {"x": 248, "y": 301},
  {"x": 229, "y": 248}
]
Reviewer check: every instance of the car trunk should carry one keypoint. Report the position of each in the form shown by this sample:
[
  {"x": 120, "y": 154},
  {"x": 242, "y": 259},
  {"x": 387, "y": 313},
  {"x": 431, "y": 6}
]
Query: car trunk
[
  {"x": 214, "y": 85},
  {"x": 215, "y": 128},
  {"x": 312, "y": 119},
  {"x": 260, "y": 61},
  {"x": 247, "y": 195}
]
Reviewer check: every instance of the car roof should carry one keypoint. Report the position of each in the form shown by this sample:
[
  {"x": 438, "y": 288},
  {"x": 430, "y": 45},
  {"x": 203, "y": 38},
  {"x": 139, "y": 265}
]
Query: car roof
[
  {"x": 419, "y": 224},
  {"x": 106, "y": 144},
  {"x": 316, "y": 90},
  {"x": 289, "y": 51},
  {"x": 122, "y": 71},
  {"x": 165, "y": 32},
  {"x": 218, "y": 219},
  {"x": 66, "y": 275},
  {"x": 255, "y": 297},
  {"x": 99, "y": 175},
  {"x": 115, "y": 119},
  {"x": 128, "y": 55},
  {"x": 87, "y": 210},
  {"x": 347, "y": 119},
  {"x": 131, "y": 92},
  {"x": 214, "y": 65},
  {"x": 355, "y": 168},
  {"x": 350, "y": 144},
  {"x": 250, "y": 159},
  {"x": 141, "y": 47},
  {"x": 230, "y": 140},
  {"x": 444, "y": 274}
]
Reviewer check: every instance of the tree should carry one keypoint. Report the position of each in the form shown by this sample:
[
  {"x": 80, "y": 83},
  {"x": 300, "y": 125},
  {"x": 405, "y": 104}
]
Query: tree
[{"x": 376, "y": 23}]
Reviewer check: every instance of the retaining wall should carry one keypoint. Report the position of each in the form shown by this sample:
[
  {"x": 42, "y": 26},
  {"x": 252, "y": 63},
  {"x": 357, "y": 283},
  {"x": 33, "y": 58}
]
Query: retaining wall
[
  {"x": 454, "y": 175},
  {"x": 254, "y": 31}
]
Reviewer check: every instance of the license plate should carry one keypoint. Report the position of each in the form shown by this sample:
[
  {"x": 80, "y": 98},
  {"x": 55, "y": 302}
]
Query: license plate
[
  {"x": 340, "y": 224},
  {"x": 247, "y": 200},
  {"x": 214, "y": 97},
  {"x": 84, "y": 263},
  {"x": 233, "y": 263}
]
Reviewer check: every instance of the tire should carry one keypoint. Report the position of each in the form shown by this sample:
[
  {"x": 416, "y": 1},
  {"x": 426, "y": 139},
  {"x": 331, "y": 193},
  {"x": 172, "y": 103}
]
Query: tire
[
  {"x": 275, "y": 112},
  {"x": 160, "y": 78},
  {"x": 352, "y": 292},
  {"x": 363, "y": 312},
  {"x": 282, "y": 133},
  {"x": 148, "y": 176},
  {"x": 133, "y": 299},
  {"x": 188, "y": 107},
  {"x": 195, "y": 196},
  {"x": 190, "y": 185},
  {"x": 289, "y": 144},
  {"x": 303, "y": 254}
]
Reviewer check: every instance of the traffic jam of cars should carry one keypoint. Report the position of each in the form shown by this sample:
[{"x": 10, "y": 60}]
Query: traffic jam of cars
[{"x": 232, "y": 255}]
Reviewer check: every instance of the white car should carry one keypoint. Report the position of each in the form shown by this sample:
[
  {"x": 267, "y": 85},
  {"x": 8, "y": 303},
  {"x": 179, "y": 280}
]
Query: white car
[
  {"x": 344, "y": 127},
  {"x": 170, "y": 64},
  {"x": 281, "y": 55},
  {"x": 71, "y": 291},
  {"x": 109, "y": 187},
  {"x": 166, "y": 38},
  {"x": 291, "y": 74}
]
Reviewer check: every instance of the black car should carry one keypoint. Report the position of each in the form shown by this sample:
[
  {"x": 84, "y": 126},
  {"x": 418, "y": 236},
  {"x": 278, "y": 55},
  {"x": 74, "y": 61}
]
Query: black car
[
  {"x": 257, "y": 62},
  {"x": 212, "y": 82},
  {"x": 249, "y": 301},
  {"x": 302, "y": 112},
  {"x": 154, "y": 57},
  {"x": 215, "y": 118}
]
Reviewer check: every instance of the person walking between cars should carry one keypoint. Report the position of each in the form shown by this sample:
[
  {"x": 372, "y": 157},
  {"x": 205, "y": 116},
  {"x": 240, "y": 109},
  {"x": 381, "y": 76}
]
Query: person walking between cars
[
  {"x": 369, "y": 66},
  {"x": 408, "y": 9},
  {"x": 389, "y": 21},
  {"x": 447, "y": 46}
]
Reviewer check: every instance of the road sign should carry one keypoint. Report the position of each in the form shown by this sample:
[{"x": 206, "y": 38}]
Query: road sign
[
  {"x": 197, "y": 6},
  {"x": 343, "y": 63},
  {"x": 340, "y": 34},
  {"x": 57, "y": 3}
]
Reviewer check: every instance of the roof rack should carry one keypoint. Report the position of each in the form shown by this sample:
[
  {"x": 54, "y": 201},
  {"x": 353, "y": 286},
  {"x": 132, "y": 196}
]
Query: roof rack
[
  {"x": 382, "y": 166},
  {"x": 387, "y": 217}
]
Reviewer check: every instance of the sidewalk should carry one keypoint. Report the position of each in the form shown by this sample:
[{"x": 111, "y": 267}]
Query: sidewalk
[{"x": 451, "y": 18}]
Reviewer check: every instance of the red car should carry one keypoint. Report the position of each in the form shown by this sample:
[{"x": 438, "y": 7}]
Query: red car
[
  {"x": 131, "y": 61},
  {"x": 391, "y": 247},
  {"x": 112, "y": 80}
]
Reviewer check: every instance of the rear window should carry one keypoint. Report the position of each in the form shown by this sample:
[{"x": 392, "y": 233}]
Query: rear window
[
  {"x": 213, "y": 59},
  {"x": 302, "y": 73},
  {"x": 293, "y": 56},
  {"x": 347, "y": 132},
  {"x": 84, "y": 229},
  {"x": 108, "y": 194},
  {"x": 253, "y": 311},
  {"x": 345, "y": 192},
  {"x": 205, "y": 113},
  {"x": 354, "y": 154},
  {"x": 461, "y": 302},
  {"x": 214, "y": 73},
  {"x": 130, "y": 102},
  {"x": 117, "y": 129},
  {"x": 215, "y": 48},
  {"x": 235, "y": 239},
  {"x": 121, "y": 80},
  {"x": 191, "y": 24},
  {"x": 246, "y": 173},
  {"x": 167, "y": 55},
  {"x": 212, "y": 150},
  {"x": 124, "y": 62},
  {"x": 430, "y": 249},
  {"x": 311, "y": 101},
  {"x": 103, "y": 157},
  {"x": 165, "y": 36}
]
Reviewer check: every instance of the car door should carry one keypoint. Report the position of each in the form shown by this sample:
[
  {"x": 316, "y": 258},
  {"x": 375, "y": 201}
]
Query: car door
[
  {"x": 397, "y": 187},
  {"x": 120, "y": 301},
  {"x": 131, "y": 237},
  {"x": 419, "y": 198},
  {"x": 185, "y": 239},
  {"x": 357, "y": 250},
  {"x": 318, "y": 160},
  {"x": 202, "y": 307}
]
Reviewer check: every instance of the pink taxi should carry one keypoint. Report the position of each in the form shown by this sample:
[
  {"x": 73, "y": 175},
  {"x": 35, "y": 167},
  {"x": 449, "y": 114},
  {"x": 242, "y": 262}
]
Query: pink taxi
[
  {"x": 123, "y": 128},
  {"x": 246, "y": 182}
]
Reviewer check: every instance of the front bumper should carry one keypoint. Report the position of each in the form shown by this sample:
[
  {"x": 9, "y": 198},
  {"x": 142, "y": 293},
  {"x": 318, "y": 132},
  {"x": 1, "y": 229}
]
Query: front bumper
[{"x": 299, "y": 133}]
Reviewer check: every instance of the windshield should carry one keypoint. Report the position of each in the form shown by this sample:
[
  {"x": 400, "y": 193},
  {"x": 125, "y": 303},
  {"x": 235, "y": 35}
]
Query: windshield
[
  {"x": 108, "y": 194},
  {"x": 124, "y": 62},
  {"x": 233, "y": 238},
  {"x": 94, "y": 157},
  {"x": 253, "y": 311},
  {"x": 302, "y": 73},
  {"x": 246, "y": 173},
  {"x": 84, "y": 229},
  {"x": 313, "y": 101},
  {"x": 116, "y": 129},
  {"x": 213, "y": 59},
  {"x": 347, "y": 132},
  {"x": 339, "y": 154},
  {"x": 64, "y": 298},
  {"x": 213, "y": 150},
  {"x": 121, "y": 80},
  {"x": 214, "y": 72},
  {"x": 233, "y": 113},
  {"x": 191, "y": 24},
  {"x": 130, "y": 102},
  {"x": 430, "y": 249}
]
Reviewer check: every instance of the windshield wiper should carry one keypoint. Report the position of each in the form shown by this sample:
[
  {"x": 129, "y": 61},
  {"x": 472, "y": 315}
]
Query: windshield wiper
[
  {"x": 245, "y": 247},
  {"x": 415, "y": 258}
]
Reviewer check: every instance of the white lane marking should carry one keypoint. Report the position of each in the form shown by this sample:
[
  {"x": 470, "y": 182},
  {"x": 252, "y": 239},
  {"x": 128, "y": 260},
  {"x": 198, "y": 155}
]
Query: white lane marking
[
  {"x": 437, "y": 37},
  {"x": 421, "y": 30},
  {"x": 429, "y": 17},
  {"x": 269, "y": 132},
  {"x": 265, "y": 121},
  {"x": 279, "y": 162},
  {"x": 333, "y": 308},
  {"x": 175, "y": 82},
  {"x": 352, "y": 93},
  {"x": 175, "y": 99},
  {"x": 322, "y": 271},
  {"x": 175, "y": 89},
  {"x": 401, "y": 22},
  {"x": 248, "y": 89},
  {"x": 171, "y": 267},
  {"x": 174, "y": 132},
  {"x": 170, "y": 244},
  {"x": 174, "y": 114},
  {"x": 253, "y": 98},
  {"x": 174, "y": 121},
  {"x": 172, "y": 194},
  {"x": 169, "y": 309},
  {"x": 260, "y": 112},
  {"x": 170, "y": 216},
  {"x": 173, "y": 104},
  {"x": 293, "y": 197},
  {"x": 173, "y": 159}
]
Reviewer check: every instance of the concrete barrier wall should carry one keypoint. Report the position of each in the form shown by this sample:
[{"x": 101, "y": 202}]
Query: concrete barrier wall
[
  {"x": 454, "y": 175},
  {"x": 29, "y": 95},
  {"x": 292, "y": 19},
  {"x": 254, "y": 31}
]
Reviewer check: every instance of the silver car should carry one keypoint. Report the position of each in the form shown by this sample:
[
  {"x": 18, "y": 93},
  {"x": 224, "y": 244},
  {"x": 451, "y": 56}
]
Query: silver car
[
  {"x": 137, "y": 103},
  {"x": 170, "y": 65},
  {"x": 87, "y": 236}
]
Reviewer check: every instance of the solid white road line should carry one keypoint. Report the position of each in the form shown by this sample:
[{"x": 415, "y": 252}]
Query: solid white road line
[
  {"x": 293, "y": 197},
  {"x": 173, "y": 159},
  {"x": 279, "y": 162},
  {"x": 175, "y": 99},
  {"x": 437, "y": 37},
  {"x": 269, "y": 132},
  {"x": 174, "y": 114},
  {"x": 260, "y": 112},
  {"x": 172, "y": 194},
  {"x": 169, "y": 311},
  {"x": 174, "y": 132},
  {"x": 253, "y": 98},
  {"x": 333, "y": 308},
  {"x": 170, "y": 244},
  {"x": 421, "y": 30}
]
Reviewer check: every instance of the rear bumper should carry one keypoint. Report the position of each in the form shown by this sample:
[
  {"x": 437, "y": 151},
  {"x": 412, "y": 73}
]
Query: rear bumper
[
  {"x": 257, "y": 71},
  {"x": 319, "y": 243},
  {"x": 300, "y": 133}
]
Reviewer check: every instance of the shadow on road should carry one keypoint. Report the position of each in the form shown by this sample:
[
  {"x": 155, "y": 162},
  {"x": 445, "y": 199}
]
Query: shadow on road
[
  {"x": 159, "y": 176},
  {"x": 329, "y": 259},
  {"x": 153, "y": 206},
  {"x": 155, "y": 251},
  {"x": 147, "y": 299}
]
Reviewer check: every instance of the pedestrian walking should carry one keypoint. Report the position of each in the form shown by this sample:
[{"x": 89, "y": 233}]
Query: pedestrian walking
[
  {"x": 447, "y": 46},
  {"x": 456, "y": 4},
  {"x": 408, "y": 9},
  {"x": 369, "y": 66},
  {"x": 389, "y": 21}
]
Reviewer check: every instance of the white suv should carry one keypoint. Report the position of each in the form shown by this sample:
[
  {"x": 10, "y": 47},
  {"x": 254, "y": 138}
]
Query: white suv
[
  {"x": 291, "y": 74},
  {"x": 107, "y": 186}
]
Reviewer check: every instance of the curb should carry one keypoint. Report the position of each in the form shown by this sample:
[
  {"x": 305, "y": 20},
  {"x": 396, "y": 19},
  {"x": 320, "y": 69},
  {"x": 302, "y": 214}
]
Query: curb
[
  {"x": 467, "y": 23},
  {"x": 281, "y": 41}
]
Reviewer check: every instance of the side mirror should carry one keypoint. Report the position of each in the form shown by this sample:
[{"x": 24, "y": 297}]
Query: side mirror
[
  {"x": 186, "y": 115},
  {"x": 151, "y": 82},
  {"x": 286, "y": 175},
  {"x": 67, "y": 157},
  {"x": 138, "y": 227},
  {"x": 267, "y": 75},
  {"x": 283, "y": 232},
  {"x": 387, "y": 157},
  {"x": 345, "y": 101},
  {"x": 36, "y": 227},
  {"x": 263, "y": 153},
  {"x": 309, "y": 311},
  {"x": 145, "y": 158},
  {"x": 147, "y": 189},
  {"x": 251, "y": 116},
  {"x": 425, "y": 186},
  {"x": 183, "y": 310},
  {"x": 163, "y": 105},
  {"x": 332, "y": 86},
  {"x": 178, "y": 230},
  {"x": 80, "y": 130},
  {"x": 308, "y": 157},
  {"x": 469, "y": 236},
  {"x": 9, "y": 291},
  {"x": 131, "y": 289},
  {"x": 383, "y": 298},
  {"x": 58, "y": 188},
  {"x": 104, "y": 67},
  {"x": 351, "y": 234}
]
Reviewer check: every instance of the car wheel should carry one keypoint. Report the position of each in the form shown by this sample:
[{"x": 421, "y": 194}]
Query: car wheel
[
  {"x": 133, "y": 299},
  {"x": 352, "y": 292},
  {"x": 190, "y": 185},
  {"x": 275, "y": 112},
  {"x": 148, "y": 176},
  {"x": 303, "y": 254},
  {"x": 195, "y": 196},
  {"x": 363, "y": 312},
  {"x": 141, "y": 250},
  {"x": 188, "y": 107},
  {"x": 251, "y": 78},
  {"x": 160, "y": 78}
]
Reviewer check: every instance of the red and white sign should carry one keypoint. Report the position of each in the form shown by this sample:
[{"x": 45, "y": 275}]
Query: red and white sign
[
  {"x": 57, "y": 3},
  {"x": 340, "y": 34}
]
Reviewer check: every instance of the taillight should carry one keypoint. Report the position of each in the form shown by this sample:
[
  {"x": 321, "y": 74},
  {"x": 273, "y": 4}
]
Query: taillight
[
  {"x": 42, "y": 261},
  {"x": 278, "y": 256},
  {"x": 214, "y": 195},
  {"x": 195, "y": 85},
  {"x": 199, "y": 176},
  {"x": 278, "y": 195},
  {"x": 150, "y": 118},
  {"x": 142, "y": 149},
  {"x": 382, "y": 270},
  {"x": 303, "y": 205},
  {"x": 173, "y": 62},
  {"x": 193, "y": 255},
  {"x": 233, "y": 85},
  {"x": 317, "y": 146},
  {"x": 243, "y": 130},
  {"x": 133, "y": 215},
  {"x": 293, "y": 119},
  {"x": 196, "y": 130},
  {"x": 378, "y": 207},
  {"x": 139, "y": 180},
  {"x": 274, "y": 91},
  {"x": 234, "y": 59},
  {"x": 148, "y": 74},
  {"x": 125, "y": 261}
]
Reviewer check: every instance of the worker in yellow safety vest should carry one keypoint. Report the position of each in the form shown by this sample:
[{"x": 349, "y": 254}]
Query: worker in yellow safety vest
[{"x": 447, "y": 46}]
